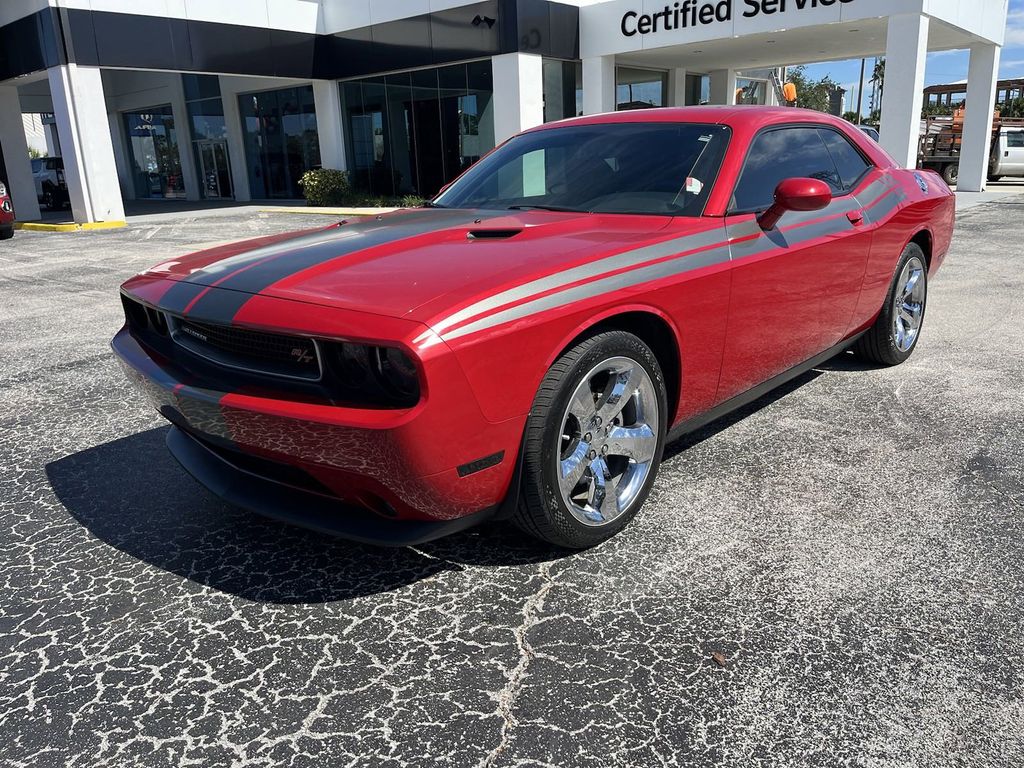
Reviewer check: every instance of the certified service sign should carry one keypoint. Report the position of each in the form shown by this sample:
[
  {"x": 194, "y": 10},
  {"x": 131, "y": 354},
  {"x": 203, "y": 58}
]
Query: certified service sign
[{"x": 685, "y": 14}]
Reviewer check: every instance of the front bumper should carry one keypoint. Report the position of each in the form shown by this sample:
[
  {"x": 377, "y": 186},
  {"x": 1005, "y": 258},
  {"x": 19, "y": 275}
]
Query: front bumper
[
  {"x": 399, "y": 464},
  {"x": 255, "y": 493}
]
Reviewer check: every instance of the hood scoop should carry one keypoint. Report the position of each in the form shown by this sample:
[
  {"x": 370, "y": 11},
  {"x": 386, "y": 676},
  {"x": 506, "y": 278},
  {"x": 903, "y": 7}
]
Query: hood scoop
[{"x": 492, "y": 234}]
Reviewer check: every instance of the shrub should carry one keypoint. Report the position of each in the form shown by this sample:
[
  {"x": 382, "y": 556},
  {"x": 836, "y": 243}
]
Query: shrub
[{"x": 325, "y": 186}]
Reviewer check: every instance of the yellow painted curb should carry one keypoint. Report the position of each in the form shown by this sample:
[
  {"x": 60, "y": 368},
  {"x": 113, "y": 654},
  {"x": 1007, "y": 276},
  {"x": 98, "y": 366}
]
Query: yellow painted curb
[{"x": 36, "y": 226}]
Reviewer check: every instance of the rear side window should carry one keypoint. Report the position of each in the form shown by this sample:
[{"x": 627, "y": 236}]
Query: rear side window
[
  {"x": 1015, "y": 139},
  {"x": 786, "y": 153},
  {"x": 850, "y": 164}
]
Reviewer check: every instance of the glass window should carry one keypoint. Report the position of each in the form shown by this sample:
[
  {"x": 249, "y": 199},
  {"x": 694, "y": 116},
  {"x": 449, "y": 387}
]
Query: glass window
[
  {"x": 412, "y": 132},
  {"x": 200, "y": 86},
  {"x": 780, "y": 154},
  {"x": 1015, "y": 139},
  {"x": 563, "y": 89},
  {"x": 153, "y": 153},
  {"x": 640, "y": 168},
  {"x": 849, "y": 162},
  {"x": 640, "y": 88},
  {"x": 750, "y": 91},
  {"x": 281, "y": 140}
]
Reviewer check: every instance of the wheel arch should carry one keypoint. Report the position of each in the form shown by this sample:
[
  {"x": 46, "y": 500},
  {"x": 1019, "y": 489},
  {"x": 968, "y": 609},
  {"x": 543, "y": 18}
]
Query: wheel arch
[
  {"x": 652, "y": 326},
  {"x": 924, "y": 239}
]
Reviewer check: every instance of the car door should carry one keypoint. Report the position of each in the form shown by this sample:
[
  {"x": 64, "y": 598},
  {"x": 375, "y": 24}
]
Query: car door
[
  {"x": 794, "y": 288},
  {"x": 1012, "y": 161}
]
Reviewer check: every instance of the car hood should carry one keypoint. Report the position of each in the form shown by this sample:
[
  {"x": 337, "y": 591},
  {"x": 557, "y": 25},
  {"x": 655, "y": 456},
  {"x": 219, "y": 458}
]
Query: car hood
[{"x": 416, "y": 264}]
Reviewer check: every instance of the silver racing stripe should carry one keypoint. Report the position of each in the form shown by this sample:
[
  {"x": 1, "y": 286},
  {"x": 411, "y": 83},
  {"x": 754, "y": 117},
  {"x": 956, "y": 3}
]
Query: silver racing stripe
[
  {"x": 742, "y": 240},
  {"x": 636, "y": 257},
  {"x": 648, "y": 274}
]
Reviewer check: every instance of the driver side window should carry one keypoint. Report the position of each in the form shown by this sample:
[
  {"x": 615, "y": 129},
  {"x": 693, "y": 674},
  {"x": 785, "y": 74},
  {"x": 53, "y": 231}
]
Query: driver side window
[{"x": 780, "y": 154}]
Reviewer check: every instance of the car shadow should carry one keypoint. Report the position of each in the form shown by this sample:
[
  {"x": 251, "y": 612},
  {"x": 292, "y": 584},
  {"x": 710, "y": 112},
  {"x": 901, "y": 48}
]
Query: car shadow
[
  {"x": 132, "y": 495},
  {"x": 724, "y": 422},
  {"x": 843, "y": 362}
]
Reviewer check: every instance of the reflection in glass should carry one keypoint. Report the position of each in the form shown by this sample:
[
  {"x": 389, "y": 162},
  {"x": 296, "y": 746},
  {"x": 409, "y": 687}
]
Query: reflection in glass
[
  {"x": 411, "y": 133},
  {"x": 640, "y": 88},
  {"x": 153, "y": 150},
  {"x": 563, "y": 89},
  {"x": 281, "y": 140}
]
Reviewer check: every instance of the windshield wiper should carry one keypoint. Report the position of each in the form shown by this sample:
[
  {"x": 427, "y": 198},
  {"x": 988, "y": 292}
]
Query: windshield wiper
[{"x": 559, "y": 208}]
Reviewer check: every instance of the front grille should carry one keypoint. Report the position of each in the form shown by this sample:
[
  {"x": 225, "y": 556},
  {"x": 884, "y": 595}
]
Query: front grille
[{"x": 295, "y": 357}]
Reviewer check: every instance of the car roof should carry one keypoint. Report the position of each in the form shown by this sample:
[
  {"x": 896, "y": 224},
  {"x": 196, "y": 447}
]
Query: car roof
[{"x": 748, "y": 117}]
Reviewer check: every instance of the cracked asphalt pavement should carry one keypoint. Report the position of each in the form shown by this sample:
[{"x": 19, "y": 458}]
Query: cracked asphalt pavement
[{"x": 851, "y": 545}]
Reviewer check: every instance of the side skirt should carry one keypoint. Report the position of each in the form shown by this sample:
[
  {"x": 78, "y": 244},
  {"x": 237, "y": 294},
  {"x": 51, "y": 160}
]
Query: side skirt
[{"x": 722, "y": 409}]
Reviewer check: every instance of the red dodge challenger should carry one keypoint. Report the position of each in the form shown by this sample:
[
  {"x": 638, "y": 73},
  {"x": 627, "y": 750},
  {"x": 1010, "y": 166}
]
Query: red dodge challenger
[{"x": 525, "y": 345}]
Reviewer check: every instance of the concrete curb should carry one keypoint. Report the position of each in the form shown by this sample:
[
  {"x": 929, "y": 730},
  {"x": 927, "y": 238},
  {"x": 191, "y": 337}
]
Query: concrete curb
[{"x": 36, "y": 226}]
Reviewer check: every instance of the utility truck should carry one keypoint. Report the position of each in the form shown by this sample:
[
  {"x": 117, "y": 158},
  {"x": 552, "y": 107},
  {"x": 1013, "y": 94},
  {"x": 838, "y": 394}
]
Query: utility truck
[{"x": 942, "y": 137}]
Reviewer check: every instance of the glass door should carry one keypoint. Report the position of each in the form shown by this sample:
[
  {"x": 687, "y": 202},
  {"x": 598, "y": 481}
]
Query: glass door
[{"x": 214, "y": 170}]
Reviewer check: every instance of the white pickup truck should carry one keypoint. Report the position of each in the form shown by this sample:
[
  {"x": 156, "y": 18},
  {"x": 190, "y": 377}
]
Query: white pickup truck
[{"x": 940, "y": 149}]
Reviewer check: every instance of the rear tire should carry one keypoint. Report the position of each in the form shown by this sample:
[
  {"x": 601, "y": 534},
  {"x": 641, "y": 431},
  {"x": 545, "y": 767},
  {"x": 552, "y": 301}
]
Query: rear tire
[
  {"x": 950, "y": 173},
  {"x": 895, "y": 333},
  {"x": 593, "y": 442},
  {"x": 6, "y": 234}
]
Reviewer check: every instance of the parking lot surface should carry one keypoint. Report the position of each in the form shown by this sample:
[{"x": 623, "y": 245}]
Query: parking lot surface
[{"x": 851, "y": 546}]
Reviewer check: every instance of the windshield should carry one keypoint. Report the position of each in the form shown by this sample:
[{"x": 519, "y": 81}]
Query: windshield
[{"x": 638, "y": 168}]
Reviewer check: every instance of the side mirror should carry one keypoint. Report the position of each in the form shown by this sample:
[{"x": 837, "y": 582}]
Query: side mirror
[{"x": 795, "y": 195}]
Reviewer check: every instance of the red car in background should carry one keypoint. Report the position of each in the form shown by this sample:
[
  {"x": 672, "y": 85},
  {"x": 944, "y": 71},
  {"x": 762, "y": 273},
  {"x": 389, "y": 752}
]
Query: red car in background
[
  {"x": 6, "y": 213},
  {"x": 525, "y": 345}
]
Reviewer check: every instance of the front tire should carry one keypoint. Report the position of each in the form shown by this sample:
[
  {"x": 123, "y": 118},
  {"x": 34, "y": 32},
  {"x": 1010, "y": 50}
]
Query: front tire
[
  {"x": 593, "y": 442},
  {"x": 950, "y": 174},
  {"x": 894, "y": 336}
]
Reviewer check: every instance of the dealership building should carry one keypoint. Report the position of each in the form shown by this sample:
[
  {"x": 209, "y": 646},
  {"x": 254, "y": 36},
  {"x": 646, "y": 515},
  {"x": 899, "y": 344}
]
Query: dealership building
[{"x": 236, "y": 99}]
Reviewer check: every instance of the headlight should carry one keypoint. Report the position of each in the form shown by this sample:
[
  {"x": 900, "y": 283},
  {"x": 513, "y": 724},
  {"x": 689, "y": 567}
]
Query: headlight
[
  {"x": 397, "y": 373},
  {"x": 372, "y": 375}
]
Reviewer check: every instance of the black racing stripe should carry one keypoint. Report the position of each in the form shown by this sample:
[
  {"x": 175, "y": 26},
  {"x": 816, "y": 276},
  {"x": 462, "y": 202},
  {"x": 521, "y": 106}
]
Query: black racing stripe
[
  {"x": 270, "y": 268},
  {"x": 218, "y": 306},
  {"x": 180, "y": 295},
  {"x": 359, "y": 237}
]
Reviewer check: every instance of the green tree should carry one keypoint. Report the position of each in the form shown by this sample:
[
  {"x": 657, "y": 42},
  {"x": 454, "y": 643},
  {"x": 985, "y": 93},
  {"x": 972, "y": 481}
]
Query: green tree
[{"x": 810, "y": 93}]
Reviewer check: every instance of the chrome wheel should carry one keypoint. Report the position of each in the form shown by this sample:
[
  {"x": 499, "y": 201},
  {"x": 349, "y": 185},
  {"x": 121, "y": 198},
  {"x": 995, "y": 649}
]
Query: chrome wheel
[
  {"x": 908, "y": 304},
  {"x": 608, "y": 441}
]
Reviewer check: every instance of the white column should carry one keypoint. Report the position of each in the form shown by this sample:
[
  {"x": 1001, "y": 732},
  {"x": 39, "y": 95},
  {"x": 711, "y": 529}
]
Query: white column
[
  {"x": 519, "y": 86},
  {"x": 906, "y": 51},
  {"x": 723, "y": 86},
  {"x": 183, "y": 131},
  {"x": 982, "y": 76},
  {"x": 236, "y": 141},
  {"x": 16, "y": 159},
  {"x": 677, "y": 87},
  {"x": 598, "y": 85},
  {"x": 86, "y": 148},
  {"x": 329, "y": 124}
]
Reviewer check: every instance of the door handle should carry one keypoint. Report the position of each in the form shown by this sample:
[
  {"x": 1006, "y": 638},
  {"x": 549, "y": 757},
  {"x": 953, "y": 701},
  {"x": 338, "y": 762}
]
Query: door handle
[{"x": 856, "y": 217}]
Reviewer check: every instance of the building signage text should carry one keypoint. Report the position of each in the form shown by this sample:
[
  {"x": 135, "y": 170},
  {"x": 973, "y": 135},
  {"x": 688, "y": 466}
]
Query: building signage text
[{"x": 693, "y": 13}]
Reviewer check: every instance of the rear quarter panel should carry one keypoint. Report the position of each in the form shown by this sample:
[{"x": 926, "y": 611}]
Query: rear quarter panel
[{"x": 930, "y": 212}]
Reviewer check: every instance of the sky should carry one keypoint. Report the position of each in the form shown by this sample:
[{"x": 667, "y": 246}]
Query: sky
[{"x": 943, "y": 67}]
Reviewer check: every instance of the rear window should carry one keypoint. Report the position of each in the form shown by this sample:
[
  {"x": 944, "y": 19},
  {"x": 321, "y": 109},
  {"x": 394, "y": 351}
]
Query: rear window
[{"x": 804, "y": 151}]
